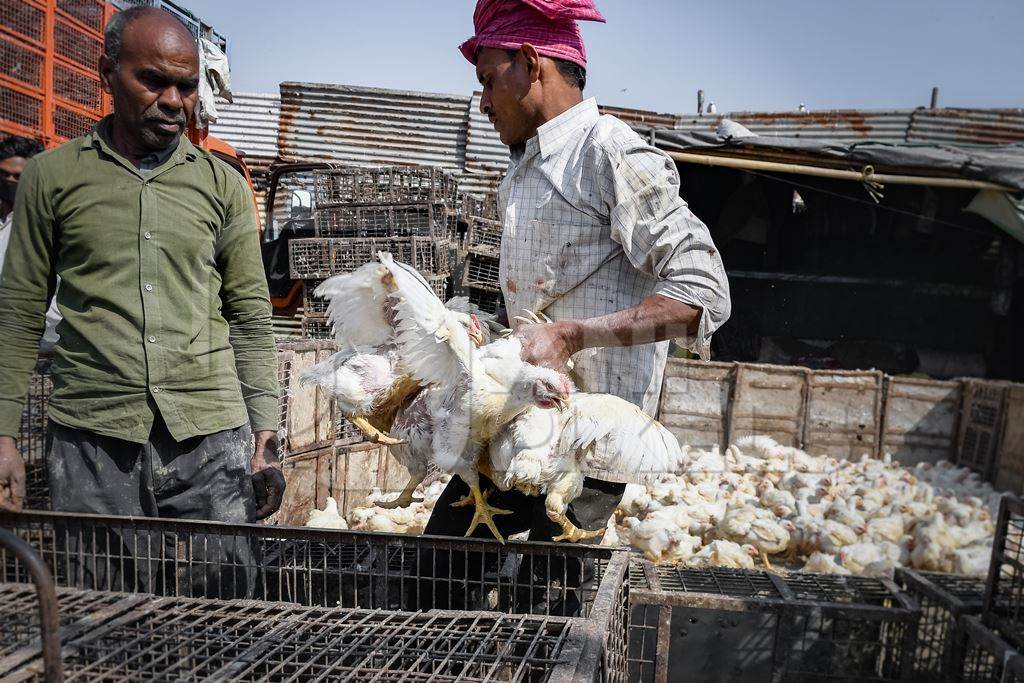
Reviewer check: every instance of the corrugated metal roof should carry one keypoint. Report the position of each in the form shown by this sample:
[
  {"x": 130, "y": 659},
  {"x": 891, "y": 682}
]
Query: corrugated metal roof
[
  {"x": 249, "y": 124},
  {"x": 949, "y": 126},
  {"x": 360, "y": 125},
  {"x": 484, "y": 150}
]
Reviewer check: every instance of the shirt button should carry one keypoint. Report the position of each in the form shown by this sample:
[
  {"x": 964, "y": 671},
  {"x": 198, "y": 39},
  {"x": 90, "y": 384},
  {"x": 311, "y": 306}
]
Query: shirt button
[
  {"x": 152, "y": 339},
  {"x": 156, "y": 390},
  {"x": 149, "y": 235},
  {"x": 149, "y": 287}
]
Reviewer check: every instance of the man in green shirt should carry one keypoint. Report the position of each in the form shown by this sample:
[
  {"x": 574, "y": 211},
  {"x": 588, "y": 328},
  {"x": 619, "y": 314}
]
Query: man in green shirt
[{"x": 166, "y": 363}]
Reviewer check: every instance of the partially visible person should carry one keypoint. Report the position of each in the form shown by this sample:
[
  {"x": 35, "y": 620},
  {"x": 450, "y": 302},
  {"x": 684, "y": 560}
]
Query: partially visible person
[
  {"x": 15, "y": 152},
  {"x": 166, "y": 366}
]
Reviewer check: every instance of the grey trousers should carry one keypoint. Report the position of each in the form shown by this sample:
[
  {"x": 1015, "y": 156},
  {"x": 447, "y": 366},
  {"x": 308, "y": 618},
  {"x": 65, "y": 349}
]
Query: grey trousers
[{"x": 203, "y": 478}]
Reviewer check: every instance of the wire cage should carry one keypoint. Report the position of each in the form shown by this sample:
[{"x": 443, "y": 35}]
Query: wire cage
[
  {"x": 32, "y": 437},
  {"x": 328, "y": 568},
  {"x": 486, "y": 300},
  {"x": 319, "y": 258},
  {"x": 479, "y": 206},
  {"x": 481, "y": 272},
  {"x": 484, "y": 236},
  {"x": 985, "y": 655},
  {"x": 745, "y": 625},
  {"x": 385, "y": 185},
  {"x": 316, "y": 328},
  {"x": 313, "y": 306},
  {"x": 419, "y": 220},
  {"x": 117, "y": 637},
  {"x": 943, "y": 599},
  {"x": 1004, "y": 594}
]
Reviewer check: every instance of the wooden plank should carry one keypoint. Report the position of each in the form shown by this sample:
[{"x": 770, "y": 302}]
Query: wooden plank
[
  {"x": 921, "y": 419},
  {"x": 695, "y": 401},
  {"x": 843, "y": 413}
]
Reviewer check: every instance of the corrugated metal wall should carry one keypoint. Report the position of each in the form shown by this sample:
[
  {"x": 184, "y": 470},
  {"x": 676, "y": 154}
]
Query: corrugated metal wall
[{"x": 250, "y": 124}]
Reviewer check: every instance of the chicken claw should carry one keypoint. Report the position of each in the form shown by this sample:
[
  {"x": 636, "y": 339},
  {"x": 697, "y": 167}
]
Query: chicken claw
[
  {"x": 374, "y": 434},
  {"x": 572, "y": 533},
  {"x": 484, "y": 512}
]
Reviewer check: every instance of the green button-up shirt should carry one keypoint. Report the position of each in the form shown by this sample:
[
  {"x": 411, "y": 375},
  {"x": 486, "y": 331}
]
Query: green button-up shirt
[{"x": 163, "y": 296}]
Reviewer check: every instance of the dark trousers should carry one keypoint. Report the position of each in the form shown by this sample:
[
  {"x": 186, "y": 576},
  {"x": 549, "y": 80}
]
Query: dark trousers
[
  {"x": 203, "y": 478},
  {"x": 590, "y": 510}
]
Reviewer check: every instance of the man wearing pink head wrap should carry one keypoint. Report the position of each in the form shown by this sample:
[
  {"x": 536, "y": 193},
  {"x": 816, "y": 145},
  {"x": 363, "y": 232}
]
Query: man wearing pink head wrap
[{"x": 595, "y": 236}]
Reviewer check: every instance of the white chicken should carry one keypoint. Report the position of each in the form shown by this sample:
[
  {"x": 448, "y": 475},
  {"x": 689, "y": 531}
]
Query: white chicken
[
  {"x": 724, "y": 554},
  {"x": 550, "y": 452},
  {"x": 822, "y": 563},
  {"x": 328, "y": 518}
]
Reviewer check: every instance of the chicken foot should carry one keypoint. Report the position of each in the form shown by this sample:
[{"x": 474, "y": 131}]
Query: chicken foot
[
  {"x": 374, "y": 434},
  {"x": 555, "y": 506},
  {"x": 484, "y": 512},
  {"x": 405, "y": 498}
]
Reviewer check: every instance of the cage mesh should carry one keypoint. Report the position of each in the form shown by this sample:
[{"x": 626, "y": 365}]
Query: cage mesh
[
  {"x": 479, "y": 206},
  {"x": 87, "y": 12},
  {"x": 20, "y": 63},
  {"x": 385, "y": 185},
  {"x": 20, "y": 109},
  {"x": 421, "y": 220},
  {"x": 26, "y": 20},
  {"x": 481, "y": 272},
  {"x": 76, "y": 87},
  {"x": 316, "y": 328},
  {"x": 70, "y": 124},
  {"x": 32, "y": 438},
  {"x": 484, "y": 236},
  {"x": 1004, "y": 602},
  {"x": 984, "y": 654},
  {"x": 73, "y": 44},
  {"x": 318, "y": 258},
  {"x": 486, "y": 300}
]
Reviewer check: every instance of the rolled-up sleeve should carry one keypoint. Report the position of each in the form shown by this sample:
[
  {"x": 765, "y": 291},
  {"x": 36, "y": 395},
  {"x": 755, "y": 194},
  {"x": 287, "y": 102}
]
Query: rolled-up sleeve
[
  {"x": 661, "y": 236},
  {"x": 246, "y": 307}
]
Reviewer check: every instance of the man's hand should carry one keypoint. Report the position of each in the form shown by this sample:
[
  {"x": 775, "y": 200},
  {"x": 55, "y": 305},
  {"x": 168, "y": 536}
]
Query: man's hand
[
  {"x": 267, "y": 478},
  {"x": 549, "y": 344},
  {"x": 12, "y": 475}
]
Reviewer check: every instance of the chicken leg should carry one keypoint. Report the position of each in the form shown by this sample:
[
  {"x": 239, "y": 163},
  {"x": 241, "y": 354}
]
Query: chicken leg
[
  {"x": 568, "y": 485},
  {"x": 374, "y": 434},
  {"x": 484, "y": 513},
  {"x": 405, "y": 498}
]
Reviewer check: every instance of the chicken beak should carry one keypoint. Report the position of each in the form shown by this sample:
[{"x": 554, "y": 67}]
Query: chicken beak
[
  {"x": 562, "y": 403},
  {"x": 478, "y": 337}
]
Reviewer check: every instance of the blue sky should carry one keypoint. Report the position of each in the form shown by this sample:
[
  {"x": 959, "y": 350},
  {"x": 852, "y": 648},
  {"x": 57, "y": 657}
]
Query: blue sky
[{"x": 655, "y": 54}]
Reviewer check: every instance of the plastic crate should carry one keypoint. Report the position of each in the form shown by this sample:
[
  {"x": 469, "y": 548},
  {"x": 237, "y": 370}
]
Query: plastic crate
[
  {"x": 484, "y": 236},
  {"x": 319, "y": 258},
  {"x": 419, "y": 220},
  {"x": 985, "y": 654},
  {"x": 944, "y": 599},
  {"x": 1004, "y": 595},
  {"x": 385, "y": 185},
  {"x": 726, "y": 624},
  {"x": 481, "y": 272}
]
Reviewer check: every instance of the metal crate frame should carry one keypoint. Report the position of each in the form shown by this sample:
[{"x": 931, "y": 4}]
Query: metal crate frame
[
  {"x": 1004, "y": 587},
  {"x": 327, "y": 568},
  {"x": 481, "y": 272},
  {"x": 376, "y": 185},
  {"x": 484, "y": 236},
  {"x": 807, "y": 623},
  {"x": 981, "y": 425},
  {"x": 407, "y": 220},
  {"x": 32, "y": 437},
  {"x": 486, "y": 300},
  {"x": 316, "y": 329},
  {"x": 478, "y": 206},
  {"x": 321, "y": 257},
  {"x": 985, "y": 655},
  {"x": 139, "y": 637},
  {"x": 944, "y": 599},
  {"x": 313, "y": 306}
]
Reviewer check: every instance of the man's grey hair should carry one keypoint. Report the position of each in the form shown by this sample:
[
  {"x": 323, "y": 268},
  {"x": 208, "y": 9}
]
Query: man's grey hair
[{"x": 113, "y": 35}]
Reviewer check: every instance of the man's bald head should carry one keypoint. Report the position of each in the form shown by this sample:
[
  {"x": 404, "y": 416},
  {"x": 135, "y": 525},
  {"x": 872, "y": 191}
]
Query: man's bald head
[{"x": 150, "y": 67}]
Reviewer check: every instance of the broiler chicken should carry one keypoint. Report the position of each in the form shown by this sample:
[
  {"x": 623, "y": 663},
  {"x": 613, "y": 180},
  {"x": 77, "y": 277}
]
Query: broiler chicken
[{"x": 328, "y": 518}]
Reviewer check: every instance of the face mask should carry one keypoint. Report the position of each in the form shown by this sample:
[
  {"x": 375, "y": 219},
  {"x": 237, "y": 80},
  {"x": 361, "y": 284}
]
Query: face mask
[{"x": 7, "y": 190}]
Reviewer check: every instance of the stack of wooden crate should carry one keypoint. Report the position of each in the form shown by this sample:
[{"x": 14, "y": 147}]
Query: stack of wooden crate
[
  {"x": 408, "y": 211},
  {"x": 480, "y": 280}
]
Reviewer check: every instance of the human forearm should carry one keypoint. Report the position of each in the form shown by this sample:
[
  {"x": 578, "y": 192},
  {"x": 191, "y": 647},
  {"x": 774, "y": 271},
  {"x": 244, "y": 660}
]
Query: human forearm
[{"x": 654, "y": 319}]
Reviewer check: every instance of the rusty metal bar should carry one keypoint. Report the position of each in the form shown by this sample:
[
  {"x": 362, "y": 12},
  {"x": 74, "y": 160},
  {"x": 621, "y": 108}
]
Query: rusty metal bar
[{"x": 49, "y": 622}]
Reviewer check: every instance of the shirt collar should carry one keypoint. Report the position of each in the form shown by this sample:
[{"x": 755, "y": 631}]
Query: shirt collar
[
  {"x": 554, "y": 135},
  {"x": 99, "y": 138}
]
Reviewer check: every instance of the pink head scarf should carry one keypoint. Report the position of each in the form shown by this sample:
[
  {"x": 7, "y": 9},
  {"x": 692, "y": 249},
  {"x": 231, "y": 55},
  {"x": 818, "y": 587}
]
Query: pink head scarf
[{"x": 548, "y": 25}]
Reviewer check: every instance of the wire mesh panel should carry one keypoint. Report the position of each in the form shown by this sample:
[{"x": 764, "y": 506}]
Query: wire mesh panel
[
  {"x": 1004, "y": 595},
  {"x": 484, "y": 236},
  {"x": 32, "y": 438},
  {"x": 193, "y": 639},
  {"x": 481, "y": 272},
  {"x": 422, "y": 220},
  {"x": 312, "y": 305},
  {"x": 23, "y": 19},
  {"x": 943, "y": 599},
  {"x": 385, "y": 185},
  {"x": 21, "y": 62},
  {"x": 314, "y": 566},
  {"x": 479, "y": 206},
  {"x": 486, "y": 300},
  {"x": 319, "y": 258},
  {"x": 984, "y": 653}
]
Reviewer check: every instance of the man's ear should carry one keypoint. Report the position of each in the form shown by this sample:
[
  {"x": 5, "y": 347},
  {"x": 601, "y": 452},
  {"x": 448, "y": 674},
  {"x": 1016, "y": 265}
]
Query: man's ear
[
  {"x": 107, "y": 69},
  {"x": 532, "y": 60}
]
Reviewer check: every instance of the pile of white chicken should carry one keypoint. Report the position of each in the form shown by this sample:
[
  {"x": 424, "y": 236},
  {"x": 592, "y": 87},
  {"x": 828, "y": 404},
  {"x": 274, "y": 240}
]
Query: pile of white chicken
[{"x": 762, "y": 504}]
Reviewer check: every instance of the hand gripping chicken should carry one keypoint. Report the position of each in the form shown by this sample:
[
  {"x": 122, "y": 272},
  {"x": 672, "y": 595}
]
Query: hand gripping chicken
[
  {"x": 549, "y": 452},
  {"x": 367, "y": 377},
  {"x": 470, "y": 392}
]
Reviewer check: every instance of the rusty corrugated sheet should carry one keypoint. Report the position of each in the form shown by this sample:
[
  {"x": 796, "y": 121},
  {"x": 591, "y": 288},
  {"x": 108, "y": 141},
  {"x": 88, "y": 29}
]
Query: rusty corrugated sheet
[
  {"x": 249, "y": 124},
  {"x": 484, "y": 149},
  {"x": 358, "y": 125},
  {"x": 949, "y": 126}
]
